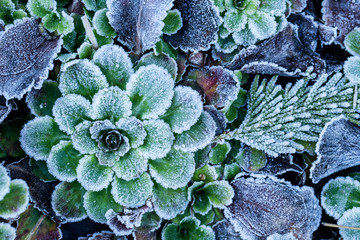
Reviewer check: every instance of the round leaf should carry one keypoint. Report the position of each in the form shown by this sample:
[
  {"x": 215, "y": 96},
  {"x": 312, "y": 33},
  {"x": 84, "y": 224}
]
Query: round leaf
[
  {"x": 16, "y": 201},
  {"x": 173, "y": 22},
  {"x": 161, "y": 60},
  {"x": 351, "y": 218},
  {"x": 7, "y": 231},
  {"x": 352, "y": 69},
  {"x": 102, "y": 25},
  {"x": 82, "y": 140},
  {"x": 262, "y": 25},
  {"x": 352, "y": 41},
  {"x": 133, "y": 129},
  {"x": 130, "y": 166},
  {"x": 40, "y": 8},
  {"x": 220, "y": 193},
  {"x": 4, "y": 182}
]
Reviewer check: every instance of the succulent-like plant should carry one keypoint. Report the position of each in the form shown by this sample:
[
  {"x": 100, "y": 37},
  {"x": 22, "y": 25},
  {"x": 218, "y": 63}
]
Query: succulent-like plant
[
  {"x": 117, "y": 138},
  {"x": 247, "y": 21},
  {"x": 14, "y": 199}
]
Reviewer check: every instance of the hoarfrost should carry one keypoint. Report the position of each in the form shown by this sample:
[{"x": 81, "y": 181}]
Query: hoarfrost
[
  {"x": 4, "y": 182},
  {"x": 81, "y": 138},
  {"x": 5, "y": 108},
  {"x": 352, "y": 42},
  {"x": 338, "y": 148},
  {"x": 351, "y": 218},
  {"x": 7, "y": 231},
  {"x": 352, "y": 69},
  {"x": 130, "y": 166},
  {"x": 224, "y": 230},
  {"x": 134, "y": 129},
  {"x": 16, "y": 200},
  {"x": 138, "y": 23}
]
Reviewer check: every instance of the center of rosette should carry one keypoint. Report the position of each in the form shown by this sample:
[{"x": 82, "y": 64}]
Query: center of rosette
[{"x": 112, "y": 139}]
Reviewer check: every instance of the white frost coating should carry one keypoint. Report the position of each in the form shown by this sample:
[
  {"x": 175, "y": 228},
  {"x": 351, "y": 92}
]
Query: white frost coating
[
  {"x": 151, "y": 90},
  {"x": 352, "y": 69},
  {"x": 244, "y": 37},
  {"x": 91, "y": 175},
  {"x": 262, "y": 25},
  {"x": 219, "y": 190},
  {"x": 81, "y": 138},
  {"x": 111, "y": 103},
  {"x": 7, "y": 231},
  {"x": 4, "y": 182},
  {"x": 100, "y": 126},
  {"x": 71, "y": 110},
  {"x": 198, "y": 136},
  {"x": 335, "y": 194},
  {"x": 133, "y": 193},
  {"x": 81, "y": 77},
  {"x": 133, "y": 128},
  {"x": 276, "y": 236},
  {"x": 130, "y": 166},
  {"x": 113, "y": 221},
  {"x": 351, "y": 218},
  {"x": 175, "y": 170},
  {"x": 18, "y": 207},
  {"x": 115, "y": 63},
  {"x": 185, "y": 109},
  {"x": 158, "y": 140}
]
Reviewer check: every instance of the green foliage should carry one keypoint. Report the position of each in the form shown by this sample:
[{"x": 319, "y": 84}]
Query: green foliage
[
  {"x": 173, "y": 22},
  {"x": 352, "y": 41}
]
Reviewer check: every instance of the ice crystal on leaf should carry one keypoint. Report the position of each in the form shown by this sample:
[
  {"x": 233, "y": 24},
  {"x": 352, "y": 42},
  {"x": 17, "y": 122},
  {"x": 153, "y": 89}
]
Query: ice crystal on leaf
[
  {"x": 351, "y": 218},
  {"x": 123, "y": 133}
]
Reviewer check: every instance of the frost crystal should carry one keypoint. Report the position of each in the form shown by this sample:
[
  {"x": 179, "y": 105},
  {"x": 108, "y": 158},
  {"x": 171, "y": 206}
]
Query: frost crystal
[{"x": 351, "y": 218}]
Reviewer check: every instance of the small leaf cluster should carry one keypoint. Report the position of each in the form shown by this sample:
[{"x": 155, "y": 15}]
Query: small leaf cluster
[
  {"x": 11, "y": 11},
  {"x": 14, "y": 199},
  {"x": 119, "y": 136}
]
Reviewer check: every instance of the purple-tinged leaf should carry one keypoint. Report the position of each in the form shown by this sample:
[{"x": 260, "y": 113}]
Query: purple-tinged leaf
[
  {"x": 284, "y": 54},
  {"x": 33, "y": 225},
  {"x": 307, "y": 29},
  {"x": 265, "y": 206},
  {"x": 27, "y": 55},
  {"x": 139, "y": 23},
  {"x": 219, "y": 118},
  {"x": 225, "y": 231},
  {"x": 103, "y": 235},
  {"x": 344, "y": 15},
  {"x": 338, "y": 148},
  {"x": 201, "y": 23},
  {"x": 297, "y": 5},
  {"x": 282, "y": 164}
]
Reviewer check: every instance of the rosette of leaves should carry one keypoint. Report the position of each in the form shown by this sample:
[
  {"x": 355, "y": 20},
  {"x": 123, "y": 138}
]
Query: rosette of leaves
[
  {"x": 119, "y": 137},
  {"x": 247, "y": 21},
  {"x": 14, "y": 199}
]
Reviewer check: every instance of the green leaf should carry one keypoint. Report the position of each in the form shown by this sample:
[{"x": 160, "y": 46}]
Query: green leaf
[
  {"x": 352, "y": 41},
  {"x": 4, "y": 182},
  {"x": 207, "y": 218},
  {"x": 102, "y": 25},
  {"x": 151, "y": 90},
  {"x": 251, "y": 159},
  {"x": 173, "y": 22},
  {"x": 16, "y": 200},
  {"x": 7, "y": 231},
  {"x": 40, "y": 170},
  {"x": 39, "y": 135},
  {"x": 133, "y": 129},
  {"x": 41, "y": 101},
  {"x": 230, "y": 171},
  {"x": 94, "y": 5},
  {"x": 161, "y": 60},
  {"x": 174, "y": 170},
  {"x": 33, "y": 225},
  {"x": 63, "y": 161},
  {"x": 115, "y": 63},
  {"x": 219, "y": 153},
  {"x": 85, "y": 50},
  {"x": 67, "y": 201},
  {"x": 133, "y": 193},
  {"x": 244, "y": 37},
  {"x": 98, "y": 203},
  {"x": 220, "y": 193},
  {"x": 93, "y": 176},
  {"x": 352, "y": 69},
  {"x": 71, "y": 110},
  {"x": 351, "y": 218},
  {"x": 150, "y": 222},
  {"x": 205, "y": 174},
  {"x": 62, "y": 23},
  {"x": 185, "y": 109},
  {"x": 82, "y": 140},
  {"x": 19, "y": 14},
  {"x": 130, "y": 166},
  {"x": 158, "y": 140},
  {"x": 235, "y": 21},
  {"x": 111, "y": 103},
  {"x": 82, "y": 77},
  {"x": 7, "y": 8},
  {"x": 262, "y": 25},
  {"x": 40, "y": 8},
  {"x": 169, "y": 202},
  {"x": 198, "y": 136},
  {"x": 202, "y": 204}
]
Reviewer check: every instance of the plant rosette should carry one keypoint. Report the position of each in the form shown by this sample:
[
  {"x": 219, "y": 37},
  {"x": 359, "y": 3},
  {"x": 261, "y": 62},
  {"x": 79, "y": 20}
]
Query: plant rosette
[{"x": 119, "y": 136}]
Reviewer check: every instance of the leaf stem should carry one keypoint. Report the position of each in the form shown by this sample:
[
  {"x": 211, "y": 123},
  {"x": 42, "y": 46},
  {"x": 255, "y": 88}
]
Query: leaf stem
[
  {"x": 339, "y": 226},
  {"x": 355, "y": 96},
  {"x": 89, "y": 32}
]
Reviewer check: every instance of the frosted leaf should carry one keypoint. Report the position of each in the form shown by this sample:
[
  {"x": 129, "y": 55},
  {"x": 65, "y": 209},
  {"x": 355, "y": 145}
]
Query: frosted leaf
[
  {"x": 282, "y": 54},
  {"x": 231, "y": 170},
  {"x": 134, "y": 130},
  {"x": 199, "y": 135},
  {"x": 225, "y": 231},
  {"x": 351, "y": 218},
  {"x": 94, "y": 5},
  {"x": 63, "y": 161},
  {"x": 169, "y": 202},
  {"x": 185, "y": 109},
  {"x": 219, "y": 85},
  {"x": 150, "y": 89},
  {"x": 102, "y": 25},
  {"x": 108, "y": 158},
  {"x": 175, "y": 170},
  {"x": 16, "y": 200},
  {"x": 274, "y": 7},
  {"x": 219, "y": 152},
  {"x": 343, "y": 15},
  {"x": 98, "y": 203},
  {"x": 220, "y": 193},
  {"x": 244, "y": 37},
  {"x": 198, "y": 32},
  {"x": 111, "y": 103},
  {"x": 39, "y": 135},
  {"x": 81, "y": 138},
  {"x": 41, "y": 101},
  {"x": 235, "y": 21},
  {"x": 99, "y": 127},
  {"x": 262, "y": 25},
  {"x": 27, "y": 55},
  {"x": 339, "y": 195},
  {"x": 67, "y": 201},
  {"x": 82, "y": 77},
  {"x": 116, "y": 225},
  {"x": 282, "y": 164},
  {"x": 139, "y": 23},
  {"x": 161, "y": 60},
  {"x": 277, "y": 236},
  {"x": 251, "y": 159},
  {"x": 298, "y": 5},
  {"x": 61, "y": 23},
  {"x": 352, "y": 69},
  {"x": 4, "y": 182},
  {"x": 71, "y": 110},
  {"x": 284, "y": 208},
  {"x": 40, "y": 8},
  {"x": 115, "y": 64},
  {"x": 5, "y": 108},
  {"x": 93, "y": 176},
  {"x": 7, "y": 231},
  {"x": 338, "y": 148},
  {"x": 158, "y": 140},
  {"x": 133, "y": 193},
  {"x": 85, "y": 50},
  {"x": 205, "y": 174},
  {"x": 173, "y": 22},
  {"x": 130, "y": 166},
  {"x": 307, "y": 29},
  {"x": 352, "y": 41}
]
